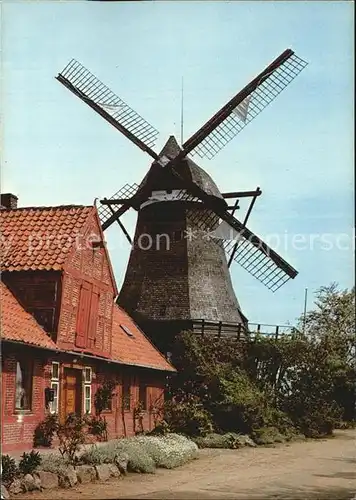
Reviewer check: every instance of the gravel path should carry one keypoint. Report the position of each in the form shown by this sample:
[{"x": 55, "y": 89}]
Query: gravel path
[{"x": 315, "y": 470}]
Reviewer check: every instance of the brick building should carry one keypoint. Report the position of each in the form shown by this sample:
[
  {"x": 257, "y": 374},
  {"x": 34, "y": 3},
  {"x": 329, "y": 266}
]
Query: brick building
[{"x": 61, "y": 328}]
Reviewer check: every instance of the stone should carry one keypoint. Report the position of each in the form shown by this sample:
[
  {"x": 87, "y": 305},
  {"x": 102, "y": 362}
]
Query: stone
[
  {"x": 121, "y": 460},
  {"x": 4, "y": 493},
  {"x": 68, "y": 477},
  {"x": 49, "y": 480},
  {"x": 30, "y": 483},
  {"x": 102, "y": 472},
  {"x": 15, "y": 487},
  {"x": 85, "y": 473},
  {"x": 114, "y": 471}
]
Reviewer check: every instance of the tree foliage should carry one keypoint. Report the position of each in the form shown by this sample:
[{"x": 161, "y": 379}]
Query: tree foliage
[{"x": 304, "y": 382}]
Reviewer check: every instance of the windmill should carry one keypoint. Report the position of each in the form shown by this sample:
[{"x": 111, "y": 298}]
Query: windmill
[{"x": 187, "y": 278}]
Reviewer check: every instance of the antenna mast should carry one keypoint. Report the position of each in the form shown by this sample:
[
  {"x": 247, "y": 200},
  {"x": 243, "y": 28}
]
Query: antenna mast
[{"x": 182, "y": 114}]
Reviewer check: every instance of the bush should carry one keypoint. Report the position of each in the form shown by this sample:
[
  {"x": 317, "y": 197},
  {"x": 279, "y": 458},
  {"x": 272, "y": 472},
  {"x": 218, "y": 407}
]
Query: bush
[
  {"x": 44, "y": 432},
  {"x": 29, "y": 462},
  {"x": 71, "y": 435},
  {"x": 97, "y": 426},
  {"x": 52, "y": 462},
  {"x": 9, "y": 470},
  {"x": 188, "y": 417},
  {"x": 145, "y": 452},
  {"x": 213, "y": 440},
  {"x": 169, "y": 451},
  {"x": 268, "y": 436},
  {"x": 139, "y": 459}
]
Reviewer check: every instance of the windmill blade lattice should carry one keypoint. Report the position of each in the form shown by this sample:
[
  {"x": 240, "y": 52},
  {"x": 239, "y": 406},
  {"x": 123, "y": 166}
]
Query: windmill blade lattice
[
  {"x": 267, "y": 89},
  {"x": 127, "y": 191},
  {"x": 256, "y": 262},
  {"x": 252, "y": 253},
  {"x": 88, "y": 87}
]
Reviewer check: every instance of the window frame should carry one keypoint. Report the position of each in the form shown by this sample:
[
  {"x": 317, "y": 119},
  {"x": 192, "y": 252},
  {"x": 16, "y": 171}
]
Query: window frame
[
  {"x": 55, "y": 363},
  {"x": 87, "y": 384},
  {"x": 86, "y": 399},
  {"x": 90, "y": 370},
  {"x": 126, "y": 398},
  {"x": 54, "y": 405},
  {"x": 28, "y": 377}
]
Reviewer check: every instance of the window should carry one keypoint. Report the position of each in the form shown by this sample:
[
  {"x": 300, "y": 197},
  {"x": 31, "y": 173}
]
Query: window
[
  {"x": 126, "y": 394},
  {"x": 142, "y": 396},
  {"x": 127, "y": 330},
  {"x": 87, "y": 378},
  {"x": 55, "y": 370},
  {"x": 87, "y": 398},
  {"x": 87, "y": 375},
  {"x": 53, "y": 407},
  {"x": 23, "y": 390}
]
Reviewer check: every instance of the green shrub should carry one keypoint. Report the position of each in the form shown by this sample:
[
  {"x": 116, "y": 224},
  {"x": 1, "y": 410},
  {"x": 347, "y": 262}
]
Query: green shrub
[
  {"x": 71, "y": 435},
  {"x": 97, "y": 426},
  {"x": 268, "y": 436},
  {"x": 161, "y": 429},
  {"x": 169, "y": 451},
  {"x": 188, "y": 417},
  {"x": 145, "y": 452},
  {"x": 29, "y": 462},
  {"x": 229, "y": 440},
  {"x": 139, "y": 459},
  {"x": 9, "y": 469},
  {"x": 45, "y": 430},
  {"x": 53, "y": 462}
]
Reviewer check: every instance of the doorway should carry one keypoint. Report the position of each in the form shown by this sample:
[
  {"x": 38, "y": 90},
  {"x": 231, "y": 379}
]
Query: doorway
[{"x": 72, "y": 392}]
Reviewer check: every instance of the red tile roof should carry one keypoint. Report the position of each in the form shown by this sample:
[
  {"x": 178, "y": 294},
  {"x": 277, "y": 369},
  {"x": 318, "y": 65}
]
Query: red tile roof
[
  {"x": 18, "y": 325},
  {"x": 130, "y": 345},
  {"x": 39, "y": 237}
]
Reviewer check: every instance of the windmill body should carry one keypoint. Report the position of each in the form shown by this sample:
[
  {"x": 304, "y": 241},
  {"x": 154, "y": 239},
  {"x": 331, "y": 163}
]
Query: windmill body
[
  {"x": 176, "y": 273},
  {"x": 178, "y": 267}
]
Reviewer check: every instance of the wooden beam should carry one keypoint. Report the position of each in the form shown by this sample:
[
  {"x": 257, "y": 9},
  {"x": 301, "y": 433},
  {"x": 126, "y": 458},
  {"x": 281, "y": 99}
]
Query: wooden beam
[{"x": 242, "y": 194}]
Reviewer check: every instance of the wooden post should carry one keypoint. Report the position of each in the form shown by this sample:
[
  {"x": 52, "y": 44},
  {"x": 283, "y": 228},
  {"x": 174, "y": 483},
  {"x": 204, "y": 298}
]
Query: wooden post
[{"x": 277, "y": 331}]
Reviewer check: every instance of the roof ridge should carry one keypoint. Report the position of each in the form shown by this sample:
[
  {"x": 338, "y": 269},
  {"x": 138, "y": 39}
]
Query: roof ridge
[{"x": 43, "y": 207}]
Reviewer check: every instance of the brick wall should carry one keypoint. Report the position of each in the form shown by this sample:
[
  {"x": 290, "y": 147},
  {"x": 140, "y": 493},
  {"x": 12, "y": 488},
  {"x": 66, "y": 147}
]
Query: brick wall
[
  {"x": 86, "y": 264},
  {"x": 17, "y": 431},
  {"x": 18, "y": 426}
]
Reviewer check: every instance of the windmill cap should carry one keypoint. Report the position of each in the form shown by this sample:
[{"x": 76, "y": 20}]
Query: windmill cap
[{"x": 171, "y": 148}]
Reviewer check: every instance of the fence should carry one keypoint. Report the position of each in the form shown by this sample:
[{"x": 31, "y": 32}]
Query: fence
[{"x": 240, "y": 331}]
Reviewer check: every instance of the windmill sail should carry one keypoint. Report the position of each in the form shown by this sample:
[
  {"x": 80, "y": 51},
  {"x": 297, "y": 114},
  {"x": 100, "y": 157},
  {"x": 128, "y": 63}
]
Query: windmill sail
[
  {"x": 99, "y": 97},
  {"x": 245, "y": 106},
  {"x": 252, "y": 253}
]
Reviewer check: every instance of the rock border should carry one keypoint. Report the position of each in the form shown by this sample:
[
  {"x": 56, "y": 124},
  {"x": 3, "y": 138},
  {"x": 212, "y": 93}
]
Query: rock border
[{"x": 81, "y": 474}]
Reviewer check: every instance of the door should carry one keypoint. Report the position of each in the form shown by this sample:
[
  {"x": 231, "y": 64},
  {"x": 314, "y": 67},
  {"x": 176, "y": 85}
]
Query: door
[{"x": 72, "y": 391}]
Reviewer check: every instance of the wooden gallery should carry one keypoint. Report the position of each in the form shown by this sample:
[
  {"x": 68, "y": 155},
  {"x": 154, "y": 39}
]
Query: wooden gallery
[{"x": 62, "y": 334}]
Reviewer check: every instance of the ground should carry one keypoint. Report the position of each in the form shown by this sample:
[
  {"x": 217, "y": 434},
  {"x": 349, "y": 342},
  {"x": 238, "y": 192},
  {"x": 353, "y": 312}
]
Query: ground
[{"x": 314, "y": 469}]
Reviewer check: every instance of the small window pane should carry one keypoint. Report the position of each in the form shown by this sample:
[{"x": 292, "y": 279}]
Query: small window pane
[
  {"x": 87, "y": 399},
  {"x": 55, "y": 371},
  {"x": 87, "y": 375},
  {"x": 54, "y": 403}
]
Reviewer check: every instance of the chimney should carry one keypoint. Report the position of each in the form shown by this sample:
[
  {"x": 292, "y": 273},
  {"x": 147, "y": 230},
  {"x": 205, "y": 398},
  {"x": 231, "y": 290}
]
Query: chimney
[{"x": 8, "y": 201}]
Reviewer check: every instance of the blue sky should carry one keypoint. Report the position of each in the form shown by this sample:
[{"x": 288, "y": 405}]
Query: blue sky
[{"x": 55, "y": 150}]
